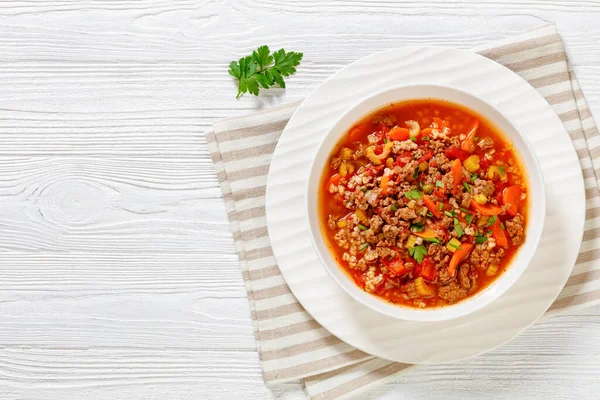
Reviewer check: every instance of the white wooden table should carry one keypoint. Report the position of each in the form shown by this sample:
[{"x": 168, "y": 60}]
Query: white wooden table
[{"x": 118, "y": 277}]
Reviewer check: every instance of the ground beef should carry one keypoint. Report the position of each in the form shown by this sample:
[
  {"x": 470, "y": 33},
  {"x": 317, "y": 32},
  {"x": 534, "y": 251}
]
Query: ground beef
[
  {"x": 515, "y": 229},
  {"x": 385, "y": 252},
  {"x": 331, "y": 222},
  {"x": 452, "y": 292},
  {"x": 466, "y": 200},
  {"x": 390, "y": 231},
  {"x": 482, "y": 256},
  {"x": 406, "y": 214},
  {"x": 467, "y": 277},
  {"x": 376, "y": 223},
  {"x": 484, "y": 187}
]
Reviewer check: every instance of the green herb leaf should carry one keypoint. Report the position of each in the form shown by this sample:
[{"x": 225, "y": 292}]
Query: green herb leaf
[
  {"x": 364, "y": 189},
  {"x": 362, "y": 227},
  {"x": 432, "y": 240},
  {"x": 469, "y": 218},
  {"x": 439, "y": 183},
  {"x": 474, "y": 177},
  {"x": 418, "y": 227},
  {"x": 502, "y": 226},
  {"x": 418, "y": 253},
  {"x": 262, "y": 68},
  {"x": 476, "y": 138},
  {"x": 449, "y": 214},
  {"x": 457, "y": 228},
  {"x": 463, "y": 210},
  {"x": 467, "y": 187},
  {"x": 492, "y": 220},
  {"x": 441, "y": 206},
  {"x": 413, "y": 194},
  {"x": 385, "y": 140},
  {"x": 429, "y": 214},
  {"x": 416, "y": 173},
  {"x": 501, "y": 168},
  {"x": 390, "y": 257},
  {"x": 480, "y": 239},
  {"x": 394, "y": 207},
  {"x": 414, "y": 139},
  {"x": 363, "y": 246}
]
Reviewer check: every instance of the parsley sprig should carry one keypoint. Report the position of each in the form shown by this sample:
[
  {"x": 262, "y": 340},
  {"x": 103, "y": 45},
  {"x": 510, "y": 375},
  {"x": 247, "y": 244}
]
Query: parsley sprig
[{"x": 263, "y": 69}]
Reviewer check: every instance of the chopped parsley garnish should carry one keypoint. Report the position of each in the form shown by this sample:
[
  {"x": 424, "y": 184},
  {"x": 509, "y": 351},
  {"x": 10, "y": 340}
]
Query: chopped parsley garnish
[
  {"x": 457, "y": 228},
  {"x": 501, "y": 168},
  {"x": 364, "y": 189},
  {"x": 467, "y": 187},
  {"x": 416, "y": 173},
  {"x": 439, "y": 184},
  {"x": 362, "y": 227},
  {"x": 414, "y": 139},
  {"x": 469, "y": 218},
  {"x": 421, "y": 185},
  {"x": 363, "y": 246},
  {"x": 390, "y": 257},
  {"x": 418, "y": 253},
  {"x": 418, "y": 227},
  {"x": 449, "y": 214},
  {"x": 384, "y": 140},
  {"x": 480, "y": 239},
  {"x": 413, "y": 194},
  {"x": 432, "y": 240},
  {"x": 429, "y": 214},
  {"x": 492, "y": 220},
  {"x": 474, "y": 177},
  {"x": 425, "y": 138},
  {"x": 394, "y": 207},
  {"x": 476, "y": 138},
  {"x": 441, "y": 206},
  {"x": 502, "y": 226},
  {"x": 464, "y": 210}
]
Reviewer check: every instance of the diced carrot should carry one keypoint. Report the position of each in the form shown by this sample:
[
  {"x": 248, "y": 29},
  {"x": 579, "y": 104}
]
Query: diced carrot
[
  {"x": 468, "y": 144},
  {"x": 499, "y": 235},
  {"x": 457, "y": 175},
  {"x": 511, "y": 197},
  {"x": 426, "y": 233},
  {"x": 335, "y": 179},
  {"x": 384, "y": 184},
  {"x": 459, "y": 256},
  {"x": 430, "y": 204},
  {"x": 399, "y": 134},
  {"x": 453, "y": 152},
  {"x": 486, "y": 209}
]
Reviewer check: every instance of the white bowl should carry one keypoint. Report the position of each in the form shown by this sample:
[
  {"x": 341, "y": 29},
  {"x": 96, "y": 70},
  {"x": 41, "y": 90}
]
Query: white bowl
[{"x": 535, "y": 197}]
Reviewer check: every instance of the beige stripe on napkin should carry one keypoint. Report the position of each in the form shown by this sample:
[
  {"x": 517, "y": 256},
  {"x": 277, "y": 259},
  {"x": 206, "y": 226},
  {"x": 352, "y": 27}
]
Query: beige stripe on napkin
[{"x": 291, "y": 344}]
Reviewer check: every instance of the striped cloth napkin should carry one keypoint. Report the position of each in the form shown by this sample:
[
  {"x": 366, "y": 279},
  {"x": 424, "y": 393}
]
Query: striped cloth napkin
[{"x": 293, "y": 346}]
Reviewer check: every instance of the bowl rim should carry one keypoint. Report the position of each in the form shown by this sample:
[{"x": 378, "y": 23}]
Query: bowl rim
[{"x": 461, "y": 308}]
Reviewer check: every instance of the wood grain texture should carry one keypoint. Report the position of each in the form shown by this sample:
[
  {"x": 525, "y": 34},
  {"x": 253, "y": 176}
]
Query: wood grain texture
[{"x": 119, "y": 278}]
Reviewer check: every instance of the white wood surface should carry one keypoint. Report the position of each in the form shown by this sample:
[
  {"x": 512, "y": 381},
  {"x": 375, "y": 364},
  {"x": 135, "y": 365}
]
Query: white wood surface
[{"x": 118, "y": 277}]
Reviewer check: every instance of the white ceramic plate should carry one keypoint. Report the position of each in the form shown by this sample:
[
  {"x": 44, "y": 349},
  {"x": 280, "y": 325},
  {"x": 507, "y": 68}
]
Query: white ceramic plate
[{"x": 409, "y": 341}]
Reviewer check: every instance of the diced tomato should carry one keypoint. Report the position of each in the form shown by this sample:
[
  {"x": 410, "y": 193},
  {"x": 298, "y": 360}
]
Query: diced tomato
[
  {"x": 403, "y": 158},
  {"x": 416, "y": 272},
  {"x": 383, "y": 128},
  {"x": 335, "y": 179},
  {"x": 379, "y": 149},
  {"x": 427, "y": 156},
  {"x": 511, "y": 197},
  {"x": 428, "y": 270},
  {"x": 395, "y": 266},
  {"x": 484, "y": 164},
  {"x": 454, "y": 152}
]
